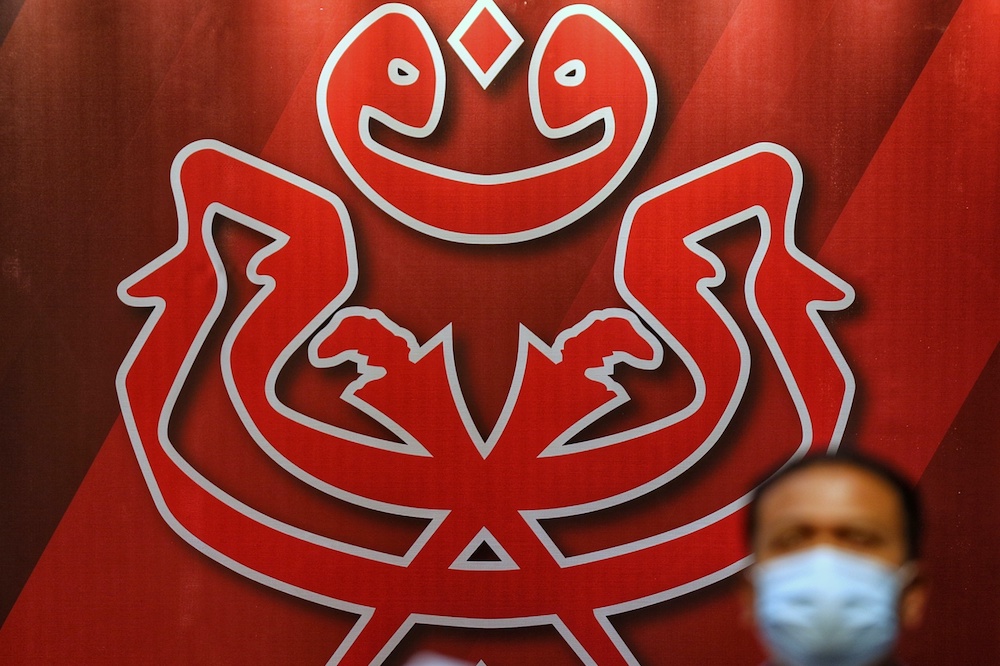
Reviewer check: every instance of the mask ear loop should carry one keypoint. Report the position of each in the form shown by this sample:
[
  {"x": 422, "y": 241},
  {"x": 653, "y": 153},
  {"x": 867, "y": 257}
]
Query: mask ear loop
[{"x": 906, "y": 574}]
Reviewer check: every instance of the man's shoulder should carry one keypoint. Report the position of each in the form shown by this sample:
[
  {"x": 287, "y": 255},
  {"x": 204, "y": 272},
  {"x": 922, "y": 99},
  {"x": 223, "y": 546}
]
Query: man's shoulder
[{"x": 888, "y": 663}]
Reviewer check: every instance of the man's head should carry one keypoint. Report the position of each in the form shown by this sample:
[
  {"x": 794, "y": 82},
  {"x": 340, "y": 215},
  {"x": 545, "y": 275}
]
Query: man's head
[
  {"x": 842, "y": 533},
  {"x": 865, "y": 505}
]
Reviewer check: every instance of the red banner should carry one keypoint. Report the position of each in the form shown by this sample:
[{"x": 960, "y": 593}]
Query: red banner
[{"x": 339, "y": 333}]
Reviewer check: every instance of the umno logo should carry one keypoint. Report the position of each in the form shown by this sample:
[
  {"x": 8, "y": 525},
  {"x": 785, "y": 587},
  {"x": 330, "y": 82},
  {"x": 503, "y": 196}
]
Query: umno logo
[{"x": 489, "y": 506}]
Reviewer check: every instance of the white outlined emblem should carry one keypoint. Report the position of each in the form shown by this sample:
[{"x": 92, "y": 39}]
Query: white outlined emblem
[{"x": 485, "y": 559}]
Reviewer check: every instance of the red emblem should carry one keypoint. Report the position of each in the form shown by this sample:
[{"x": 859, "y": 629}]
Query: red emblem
[{"x": 486, "y": 557}]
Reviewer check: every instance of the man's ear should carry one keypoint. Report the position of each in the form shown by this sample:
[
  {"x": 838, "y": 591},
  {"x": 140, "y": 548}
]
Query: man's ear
[
  {"x": 746, "y": 595},
  {"x": 913, "y": 600}
]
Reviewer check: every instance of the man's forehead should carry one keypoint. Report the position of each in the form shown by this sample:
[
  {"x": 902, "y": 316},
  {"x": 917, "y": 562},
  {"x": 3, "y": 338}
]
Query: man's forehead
[{"x": 832, "y": 491}]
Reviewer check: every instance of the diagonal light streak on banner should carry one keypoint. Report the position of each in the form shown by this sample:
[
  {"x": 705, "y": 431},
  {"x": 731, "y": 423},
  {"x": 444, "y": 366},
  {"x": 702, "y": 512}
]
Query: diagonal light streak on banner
[
  {"x": 918, "y": 236},
  {"x": 724, "y": 104},
  {"x": 921, "y": 232},
  {"x": 802, "y": 83},
  {"x": 745, "y": 82},
  {"x": 62, "y": 165}
]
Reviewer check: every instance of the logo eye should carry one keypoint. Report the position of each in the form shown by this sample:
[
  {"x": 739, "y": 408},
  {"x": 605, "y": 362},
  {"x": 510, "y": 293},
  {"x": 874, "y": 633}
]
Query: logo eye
[
  {"x": 571, "y": 74},
  {"x": 402, "y": 72}
]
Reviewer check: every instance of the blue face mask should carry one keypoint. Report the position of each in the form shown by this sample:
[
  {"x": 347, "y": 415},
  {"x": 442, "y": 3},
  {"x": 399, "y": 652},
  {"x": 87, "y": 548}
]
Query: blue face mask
[{"x": 828, "y": 607}]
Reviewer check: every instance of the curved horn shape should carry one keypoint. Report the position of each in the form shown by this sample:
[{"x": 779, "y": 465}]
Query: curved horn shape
[
  {"x": 182, "y": 286},
  {"x": 785, "y": 291}
]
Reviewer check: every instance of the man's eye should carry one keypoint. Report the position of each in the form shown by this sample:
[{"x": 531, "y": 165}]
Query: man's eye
[
  {"x": 790, "y": 539},
  {"x": 861, "y": 538}
]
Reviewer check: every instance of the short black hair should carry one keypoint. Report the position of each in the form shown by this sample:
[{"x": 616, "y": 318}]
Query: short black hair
[{"x": 908, "y": 497}]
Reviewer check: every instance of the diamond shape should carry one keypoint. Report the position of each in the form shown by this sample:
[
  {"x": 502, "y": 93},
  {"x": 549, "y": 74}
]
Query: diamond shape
[{"x": 485, "y": 40}]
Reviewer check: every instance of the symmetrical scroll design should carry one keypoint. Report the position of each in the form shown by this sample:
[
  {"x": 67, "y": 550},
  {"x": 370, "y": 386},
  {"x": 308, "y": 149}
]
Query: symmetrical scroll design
[{"x": 496, "y": 489}]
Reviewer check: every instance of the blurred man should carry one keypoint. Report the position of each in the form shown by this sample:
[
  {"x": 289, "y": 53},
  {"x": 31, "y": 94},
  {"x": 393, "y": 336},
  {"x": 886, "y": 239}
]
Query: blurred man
[{"x": 837, "y": 572}]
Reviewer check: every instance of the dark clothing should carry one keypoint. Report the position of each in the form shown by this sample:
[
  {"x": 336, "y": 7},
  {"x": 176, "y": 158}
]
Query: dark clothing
[{"x": 892, "y": 662}]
